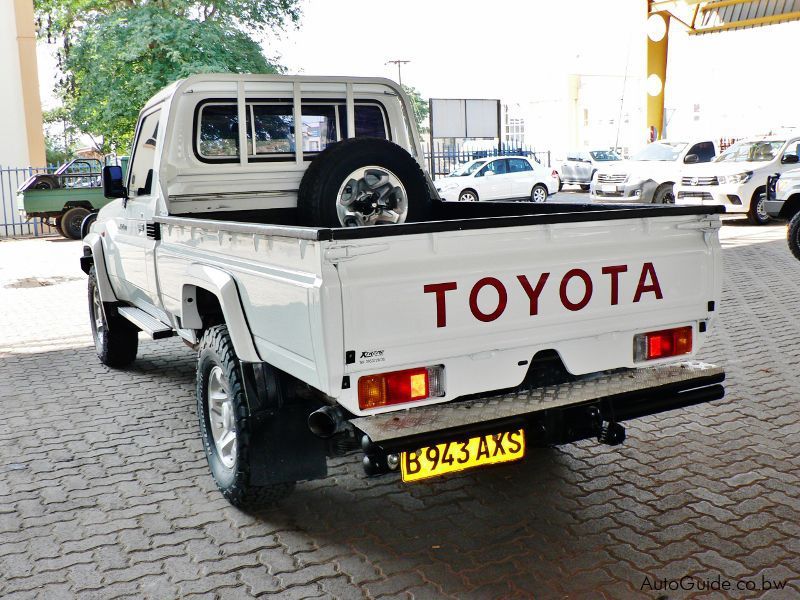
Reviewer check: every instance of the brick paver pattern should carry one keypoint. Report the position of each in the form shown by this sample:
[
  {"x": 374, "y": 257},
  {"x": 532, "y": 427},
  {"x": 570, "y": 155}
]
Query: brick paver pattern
[{"x": 105, "y": 492}]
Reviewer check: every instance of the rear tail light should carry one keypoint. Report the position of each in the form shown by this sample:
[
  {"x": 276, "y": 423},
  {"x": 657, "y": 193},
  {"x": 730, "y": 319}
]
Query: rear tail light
[
  {"x": 398, "y": 387},
  {"x": 662, "y": 344},
  {"x": 554, "y": 174}
]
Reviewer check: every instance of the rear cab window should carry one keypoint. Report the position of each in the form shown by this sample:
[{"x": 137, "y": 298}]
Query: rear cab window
[{"x": 270, "y": 128}]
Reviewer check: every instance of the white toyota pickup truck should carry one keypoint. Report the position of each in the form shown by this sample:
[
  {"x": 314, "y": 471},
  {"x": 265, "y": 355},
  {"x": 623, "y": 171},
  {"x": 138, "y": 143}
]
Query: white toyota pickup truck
[{"x": 284, "y": 227}]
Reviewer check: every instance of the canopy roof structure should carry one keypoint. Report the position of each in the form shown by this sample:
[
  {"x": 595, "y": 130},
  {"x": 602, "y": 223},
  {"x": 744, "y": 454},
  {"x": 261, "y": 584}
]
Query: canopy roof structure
[{"x": 700, "y": 17}]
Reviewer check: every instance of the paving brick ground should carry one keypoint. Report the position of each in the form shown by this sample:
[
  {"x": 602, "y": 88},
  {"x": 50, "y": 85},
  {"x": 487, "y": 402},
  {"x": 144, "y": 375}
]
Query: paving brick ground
[{"x": 104, "y": 491}]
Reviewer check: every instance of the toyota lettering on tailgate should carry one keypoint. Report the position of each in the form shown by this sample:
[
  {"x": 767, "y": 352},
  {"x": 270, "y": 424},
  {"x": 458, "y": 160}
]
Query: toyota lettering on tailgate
[{"x": 648, "y": 284}]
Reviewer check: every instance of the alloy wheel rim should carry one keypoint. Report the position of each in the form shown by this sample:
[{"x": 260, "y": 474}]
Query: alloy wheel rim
[
  {"x": 538, "y": 195},
  {"x": 221, "y": 416},
  {"x": 97, "y": 318},
  {"x": 371, "y": 195},
  {"x": 761, "y": 210}
]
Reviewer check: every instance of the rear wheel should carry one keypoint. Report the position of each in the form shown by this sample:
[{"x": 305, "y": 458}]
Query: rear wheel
[
  {"x": 225, "y": 425},
  {"x": 116, "y": 340},
  {"x": 539, "y": 193},
  {"x": 58, "y": 227},
  {"x": 468, "y": 196},
  {"x": 585, "y": 187},
  {"x": 560, "y": 183},
  {"x": 757, "y": 213},
  {"x": 71, "y": 222}
]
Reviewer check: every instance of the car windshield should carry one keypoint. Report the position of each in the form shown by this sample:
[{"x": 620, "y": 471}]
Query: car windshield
[
  {"x": 761, "y": 151},
  {"x": 604, "y": 155},
  {"x": 667, "y": 151},
  {"x": 467, "y": 168}
]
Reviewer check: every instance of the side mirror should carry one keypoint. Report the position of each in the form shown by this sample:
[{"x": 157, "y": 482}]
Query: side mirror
[
  {"x": 789, "y": 159},
  {"x": 113, "y": 186},
  {"x": 691, "y": 159}
]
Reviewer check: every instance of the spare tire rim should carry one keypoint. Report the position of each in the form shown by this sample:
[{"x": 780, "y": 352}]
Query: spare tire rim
[
  {"x": 371, "y": 195},
  {"x": 221, "y": 416}
]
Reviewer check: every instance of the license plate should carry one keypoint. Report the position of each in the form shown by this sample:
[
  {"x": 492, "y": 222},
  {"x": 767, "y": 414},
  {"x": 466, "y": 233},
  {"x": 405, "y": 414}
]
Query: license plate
[
  {"x": 609, "y": 188},
  {"x": 451, "y": 457}
]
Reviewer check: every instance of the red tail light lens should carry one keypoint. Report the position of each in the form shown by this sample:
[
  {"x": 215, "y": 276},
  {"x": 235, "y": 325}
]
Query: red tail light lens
[
  {"x": 662, "y": 344},
  {"x": 397, "y": 387}
]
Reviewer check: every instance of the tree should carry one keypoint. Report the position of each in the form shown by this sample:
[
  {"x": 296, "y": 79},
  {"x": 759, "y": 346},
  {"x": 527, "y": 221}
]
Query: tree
[
  {"x": 116, "y": 54},
  {"x": 61, "y": 135},
  {"x": 419, "y": 106}
]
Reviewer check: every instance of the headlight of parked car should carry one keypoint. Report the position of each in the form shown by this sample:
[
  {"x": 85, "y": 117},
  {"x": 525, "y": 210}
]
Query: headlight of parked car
[
  {"x": 738, "y": 178},
  {"x": 784, "y": 184}
]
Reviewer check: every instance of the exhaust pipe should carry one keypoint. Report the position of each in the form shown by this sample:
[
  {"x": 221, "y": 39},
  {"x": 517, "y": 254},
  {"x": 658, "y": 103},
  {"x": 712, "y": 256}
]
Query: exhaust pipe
[{"x": 327, "y": 421}]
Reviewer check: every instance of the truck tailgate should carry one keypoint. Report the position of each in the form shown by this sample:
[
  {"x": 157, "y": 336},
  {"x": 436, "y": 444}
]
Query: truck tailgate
[{"x": 483, "y": 302}]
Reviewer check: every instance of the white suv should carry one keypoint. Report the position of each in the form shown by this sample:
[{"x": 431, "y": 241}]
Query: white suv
[{"x": 737, "y": 179}]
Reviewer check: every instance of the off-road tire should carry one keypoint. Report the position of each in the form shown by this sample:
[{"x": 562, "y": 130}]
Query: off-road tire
[
  {"x": 116, "y": 345},
  {"x": 71, "y": 222},
  {"x": 793, "y": 235},
  {"x": 664, "y": 194},
  {"x": 216, "y": 349},
  {"x": 759, "y": 197},
  {"x": 317, "y": 196}
]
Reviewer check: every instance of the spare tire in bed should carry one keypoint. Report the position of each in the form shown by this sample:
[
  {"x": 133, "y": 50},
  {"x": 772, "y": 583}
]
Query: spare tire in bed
[{"x": 363, "y": 181}]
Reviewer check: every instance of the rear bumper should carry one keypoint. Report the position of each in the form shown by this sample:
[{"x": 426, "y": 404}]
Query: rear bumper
[{"x": 555, "y": 414}]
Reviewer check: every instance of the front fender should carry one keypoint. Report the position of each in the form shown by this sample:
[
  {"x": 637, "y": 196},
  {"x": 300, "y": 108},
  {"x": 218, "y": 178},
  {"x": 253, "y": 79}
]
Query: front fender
[
  {"x": 93, "y": 249},
  {"x": 223, "y": 286}
]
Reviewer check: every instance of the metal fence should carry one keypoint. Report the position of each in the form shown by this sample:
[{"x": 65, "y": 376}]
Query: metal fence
[
  {"x": 443, "y": 158},
  {"x": 11, "y": 223}
]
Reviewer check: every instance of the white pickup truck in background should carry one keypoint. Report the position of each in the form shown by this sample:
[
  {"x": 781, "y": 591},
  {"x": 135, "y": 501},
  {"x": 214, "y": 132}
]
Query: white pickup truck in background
[
  {"x": 285, "y": 229},
  {"x": 650, "y": 174},
  {"x": 737, "y": 178}
]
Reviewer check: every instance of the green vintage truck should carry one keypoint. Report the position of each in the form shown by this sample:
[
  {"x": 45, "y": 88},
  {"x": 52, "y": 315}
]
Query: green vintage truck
[{"x": 63, "y": 199}]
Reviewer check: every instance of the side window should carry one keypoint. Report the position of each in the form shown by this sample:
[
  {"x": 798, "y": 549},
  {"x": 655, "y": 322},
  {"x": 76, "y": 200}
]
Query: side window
[
  {"x": 704, "y": 150},
  {"x": 144, "y": 154},
  {"x": 273, "y": 126},
  {"x": 518, "y": 165},
  {"x": 793, "y": 149},
  {"x": 498, "y": 167},
  {"x": 368, "y": 119}
]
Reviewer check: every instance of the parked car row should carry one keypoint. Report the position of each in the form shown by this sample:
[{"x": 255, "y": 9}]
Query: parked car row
[{"x": 692, "y": 173}]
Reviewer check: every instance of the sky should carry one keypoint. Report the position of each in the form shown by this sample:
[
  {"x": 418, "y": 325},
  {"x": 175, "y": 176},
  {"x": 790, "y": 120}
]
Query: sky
[
  {"x": 463, "y": 48},
  {"x": 522, "y": 50}
]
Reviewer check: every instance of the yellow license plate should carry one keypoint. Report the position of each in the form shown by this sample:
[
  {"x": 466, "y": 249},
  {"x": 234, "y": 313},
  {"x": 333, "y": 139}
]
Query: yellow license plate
[{"x": 451, "y": 457}]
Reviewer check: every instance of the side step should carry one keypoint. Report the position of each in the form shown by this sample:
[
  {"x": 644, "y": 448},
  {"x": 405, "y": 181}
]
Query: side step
[{"x": 146, "y": 322}]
